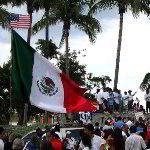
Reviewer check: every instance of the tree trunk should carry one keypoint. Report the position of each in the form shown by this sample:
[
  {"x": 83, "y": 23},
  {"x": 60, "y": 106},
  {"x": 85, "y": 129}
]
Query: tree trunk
[
  {"x": 47, "y": 27},
  {"x": 67, "y": 63},
  {"x": 47, "y": 39},
  {"x": 67, "y": 51},
  {"x": 20, "y": 115},
  {"x": 118, "y": 51}
]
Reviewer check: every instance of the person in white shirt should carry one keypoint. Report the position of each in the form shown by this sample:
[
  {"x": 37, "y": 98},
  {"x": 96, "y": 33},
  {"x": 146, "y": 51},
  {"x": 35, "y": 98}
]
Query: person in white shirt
[
  {"x": 106, "y": 126},
  {"x": 125, "y": 101},
  {"x": 97, "y": 142},
  {"x": 147, "y": 99},
  {"x": 97, "y": 91},
  {"x": 70, "y": 141},
  {"x": 134, "y": 141},
  {"x": 100, "y": 101},
  {"x": 105, "y": 96},
  {"x": 130, "y": 100},
  {"x": 2, "y": 136}
]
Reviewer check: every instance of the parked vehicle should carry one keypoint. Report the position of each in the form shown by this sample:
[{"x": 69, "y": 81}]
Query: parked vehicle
[{"x": 75, "y": 133}]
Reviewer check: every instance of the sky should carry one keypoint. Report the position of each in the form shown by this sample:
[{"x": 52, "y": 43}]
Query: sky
[{"x": 101, "y": 56}]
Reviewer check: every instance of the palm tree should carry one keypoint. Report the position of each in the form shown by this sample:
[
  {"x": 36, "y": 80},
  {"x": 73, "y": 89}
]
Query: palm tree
[
  {"x": 44, "y": 4},
  {"x": 69, "y": 12},
  {"x": 135, "y": 6},
  {"x": 146, "y": 82}
]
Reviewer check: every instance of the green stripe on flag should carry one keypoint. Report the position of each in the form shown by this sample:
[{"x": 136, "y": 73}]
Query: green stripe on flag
[{"x": 22, "y": 64}]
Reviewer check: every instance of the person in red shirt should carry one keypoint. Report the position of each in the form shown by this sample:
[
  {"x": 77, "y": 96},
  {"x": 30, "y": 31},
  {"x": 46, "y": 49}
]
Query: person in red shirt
[{"x": 55, "y": 140}]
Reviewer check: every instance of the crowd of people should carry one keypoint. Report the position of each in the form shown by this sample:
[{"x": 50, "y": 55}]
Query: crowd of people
[
  {"x": 11, "y": 141},
  {"x": 114, "y": 135},
  {"x": 113, "y": 101}
]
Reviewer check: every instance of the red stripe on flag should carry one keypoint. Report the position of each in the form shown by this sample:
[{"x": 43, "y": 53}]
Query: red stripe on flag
[
  {"x": 23, "y": 22},
  {"x": 72, "y": 92}
]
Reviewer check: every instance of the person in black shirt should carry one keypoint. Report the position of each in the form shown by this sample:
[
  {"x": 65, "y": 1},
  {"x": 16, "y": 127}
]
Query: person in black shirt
[{"x": 140, "y": 123}]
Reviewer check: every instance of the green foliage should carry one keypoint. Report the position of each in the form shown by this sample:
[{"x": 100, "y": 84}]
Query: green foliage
[
  {"x": 4, "y": 21},
  {"x": 4, "y": 91},
  {"x": 47, "y": 48},
  {"x": 97, "y": 82},
  {"x": 77, "y": 71},
  {"x": 22, "y": 130},
  {"x": 136, "y": 6},
  {"x": 94, "y": 82},
  {"x": 69, "y": 13}
]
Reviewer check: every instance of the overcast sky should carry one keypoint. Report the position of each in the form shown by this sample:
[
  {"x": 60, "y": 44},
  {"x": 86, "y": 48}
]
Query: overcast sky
[{"x": 100, "y": 57}]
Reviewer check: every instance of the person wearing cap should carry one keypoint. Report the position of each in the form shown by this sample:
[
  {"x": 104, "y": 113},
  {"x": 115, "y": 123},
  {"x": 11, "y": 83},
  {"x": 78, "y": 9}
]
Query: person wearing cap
[
  {"x": 97, "y": 142},
  {"x": 134, "y": 141},
  {"x": 69, "y": 141}
]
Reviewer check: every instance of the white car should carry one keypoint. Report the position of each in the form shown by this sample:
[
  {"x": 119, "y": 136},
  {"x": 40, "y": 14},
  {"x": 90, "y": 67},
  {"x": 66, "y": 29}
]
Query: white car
[{"x": 75, "y": 133}]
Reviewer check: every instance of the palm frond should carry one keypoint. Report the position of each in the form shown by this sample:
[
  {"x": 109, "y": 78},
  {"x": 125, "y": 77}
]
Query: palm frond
[
  {"x": 145, "y": 7},
  {"x": 50, "y": 20},
  {"x": 136, "y": 6},
  {"x": 99, "y": 5},
  {"x": 17, "y": 2},
  {"x": 89, "y": 25},
  {"x": 4, "y": 18}
]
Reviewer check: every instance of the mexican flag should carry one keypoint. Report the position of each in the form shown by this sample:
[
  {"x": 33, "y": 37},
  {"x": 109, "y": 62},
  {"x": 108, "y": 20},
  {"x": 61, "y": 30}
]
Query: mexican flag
[{"x": 39, "y": 82}]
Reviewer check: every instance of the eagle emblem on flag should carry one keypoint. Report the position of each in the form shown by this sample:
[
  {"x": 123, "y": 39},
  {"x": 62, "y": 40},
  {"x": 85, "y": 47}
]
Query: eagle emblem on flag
[{"x": 47, "y": 86}]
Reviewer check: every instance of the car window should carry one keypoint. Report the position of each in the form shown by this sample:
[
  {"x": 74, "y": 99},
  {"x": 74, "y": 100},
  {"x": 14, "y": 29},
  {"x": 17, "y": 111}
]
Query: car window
[{"x": 28, "y": 137}]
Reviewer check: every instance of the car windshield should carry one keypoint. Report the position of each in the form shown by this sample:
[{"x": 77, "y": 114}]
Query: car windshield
[{"x": 75, "y": 133}]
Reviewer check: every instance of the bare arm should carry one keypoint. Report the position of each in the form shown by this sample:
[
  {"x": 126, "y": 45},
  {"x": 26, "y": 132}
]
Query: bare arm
[{"x": 134, "y": 94}]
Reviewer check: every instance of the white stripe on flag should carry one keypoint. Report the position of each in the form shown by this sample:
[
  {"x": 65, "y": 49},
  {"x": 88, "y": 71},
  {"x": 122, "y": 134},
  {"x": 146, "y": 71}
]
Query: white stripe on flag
[{"x": 43, "y": 68}]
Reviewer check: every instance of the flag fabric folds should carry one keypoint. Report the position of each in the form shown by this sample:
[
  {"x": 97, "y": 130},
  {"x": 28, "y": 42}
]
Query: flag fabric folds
[
  {"x": 36, "y": 80},
  {"x": 20, "y": 21}
]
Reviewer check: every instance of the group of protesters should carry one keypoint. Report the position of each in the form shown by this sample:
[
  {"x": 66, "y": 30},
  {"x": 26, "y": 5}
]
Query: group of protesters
[
  {"x": 113, "y": 101},
  {"x": 114, "y": 135},
  {"x": 124, "y": 135}
]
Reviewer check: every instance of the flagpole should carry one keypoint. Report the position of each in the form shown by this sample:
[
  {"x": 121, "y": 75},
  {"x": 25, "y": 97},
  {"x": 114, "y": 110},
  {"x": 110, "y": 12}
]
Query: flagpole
[
  {"x": 26, "y": 104},
  {"x": 29, "y": 31},
  {"x": 10, "y": 78}
]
